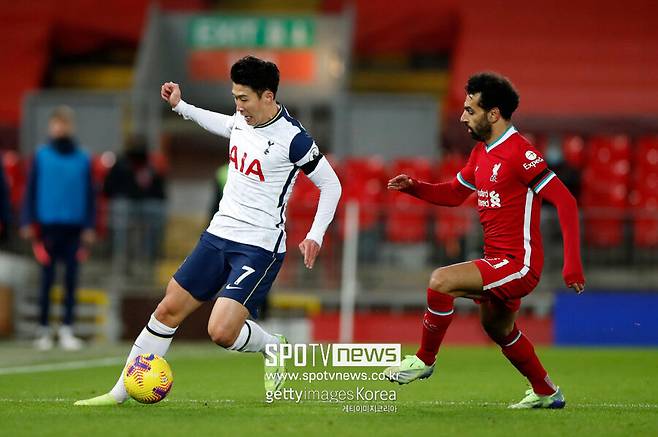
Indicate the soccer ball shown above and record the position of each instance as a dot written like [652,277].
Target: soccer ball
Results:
[148,378]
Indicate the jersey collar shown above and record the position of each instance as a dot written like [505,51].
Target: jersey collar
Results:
[508,133]
[271,121]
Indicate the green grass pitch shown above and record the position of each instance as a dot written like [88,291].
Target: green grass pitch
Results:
[608,391]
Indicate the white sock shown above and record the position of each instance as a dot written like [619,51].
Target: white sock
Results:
[155,338]
[253,338]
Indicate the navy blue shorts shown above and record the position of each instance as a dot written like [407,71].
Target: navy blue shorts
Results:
[246,272]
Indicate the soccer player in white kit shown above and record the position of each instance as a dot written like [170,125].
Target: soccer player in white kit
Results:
[238,257]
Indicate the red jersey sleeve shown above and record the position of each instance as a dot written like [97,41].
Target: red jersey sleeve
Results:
[534,173]
[466,176]
[451,193]
[532,168]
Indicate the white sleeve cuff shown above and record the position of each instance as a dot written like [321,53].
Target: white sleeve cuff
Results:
[181,107]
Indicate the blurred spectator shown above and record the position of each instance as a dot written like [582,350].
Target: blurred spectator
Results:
[568,174]
[58,215]
[570,177]
[137,204]
[5,208]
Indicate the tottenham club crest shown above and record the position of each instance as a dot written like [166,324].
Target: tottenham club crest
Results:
[269,144]
[494,172]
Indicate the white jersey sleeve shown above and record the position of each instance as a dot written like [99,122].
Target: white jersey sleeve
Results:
[326,180]
[214,122]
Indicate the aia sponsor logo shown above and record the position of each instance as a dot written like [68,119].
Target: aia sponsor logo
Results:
[245,166]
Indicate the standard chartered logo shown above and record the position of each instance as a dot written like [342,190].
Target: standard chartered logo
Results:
[495,199]
[488,199]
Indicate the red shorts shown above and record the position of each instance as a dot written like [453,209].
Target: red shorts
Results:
[505,281]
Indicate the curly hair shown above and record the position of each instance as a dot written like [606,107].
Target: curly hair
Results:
[496,91]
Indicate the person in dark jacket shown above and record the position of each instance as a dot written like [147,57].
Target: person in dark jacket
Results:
[58,216]
[136,189]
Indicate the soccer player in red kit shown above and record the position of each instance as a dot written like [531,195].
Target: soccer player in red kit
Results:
[510,178]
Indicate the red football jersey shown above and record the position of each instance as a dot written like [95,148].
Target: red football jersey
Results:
[507,176]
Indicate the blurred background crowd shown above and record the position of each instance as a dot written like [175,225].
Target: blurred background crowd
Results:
[379,84]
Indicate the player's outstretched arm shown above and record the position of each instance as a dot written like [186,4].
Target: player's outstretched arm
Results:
[324,177]
[214,122]
[567,210]
[443,194]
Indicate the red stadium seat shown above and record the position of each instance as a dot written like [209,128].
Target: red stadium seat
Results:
[419,168]
[573,150]
[644,202]
[451,224]
[406,217]
[364,181]
[646,155]
[618,146]
[606,182]
[645,165]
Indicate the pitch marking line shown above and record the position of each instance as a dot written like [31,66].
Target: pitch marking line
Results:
[54,367]
[166,401]
[402,404]
[572,405]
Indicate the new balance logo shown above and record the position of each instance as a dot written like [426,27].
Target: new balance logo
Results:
[498,265]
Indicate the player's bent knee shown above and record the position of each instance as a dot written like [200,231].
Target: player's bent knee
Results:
[496,332]
[222,335]
[440,281]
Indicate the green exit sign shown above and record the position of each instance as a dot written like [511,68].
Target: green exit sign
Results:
[252,32]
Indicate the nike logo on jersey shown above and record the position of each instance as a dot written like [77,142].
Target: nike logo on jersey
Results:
[230,287]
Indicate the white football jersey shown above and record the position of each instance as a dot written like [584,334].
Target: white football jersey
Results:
[263,166]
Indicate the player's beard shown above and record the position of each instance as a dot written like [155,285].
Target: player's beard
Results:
[482,130]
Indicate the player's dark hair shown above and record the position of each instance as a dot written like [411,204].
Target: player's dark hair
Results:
[257,74]
[496,91]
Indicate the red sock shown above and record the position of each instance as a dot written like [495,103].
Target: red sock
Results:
[436,320]
[518,349]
